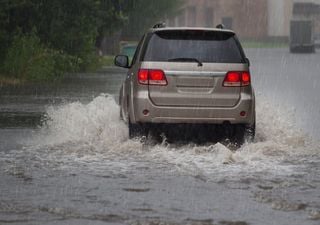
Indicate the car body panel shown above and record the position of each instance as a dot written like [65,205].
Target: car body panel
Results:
[191,85]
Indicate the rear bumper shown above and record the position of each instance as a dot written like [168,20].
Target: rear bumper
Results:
[191,115]
[302,48]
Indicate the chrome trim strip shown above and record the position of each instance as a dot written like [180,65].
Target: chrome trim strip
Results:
[194,73]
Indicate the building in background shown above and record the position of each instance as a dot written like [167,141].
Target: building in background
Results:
[251,19]
[248,18]
[279,14]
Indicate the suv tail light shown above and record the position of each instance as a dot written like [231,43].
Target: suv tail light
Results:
[143,76]
[152,77]
[237,79]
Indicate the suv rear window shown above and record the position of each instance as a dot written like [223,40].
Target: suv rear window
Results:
[205,46]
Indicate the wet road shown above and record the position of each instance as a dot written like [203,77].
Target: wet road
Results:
[65,157]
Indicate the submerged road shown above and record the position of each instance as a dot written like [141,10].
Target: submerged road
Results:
[65,157]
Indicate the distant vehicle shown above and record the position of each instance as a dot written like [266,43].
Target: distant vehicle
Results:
[317,40]
[188,76]
[302,36]
[128,49]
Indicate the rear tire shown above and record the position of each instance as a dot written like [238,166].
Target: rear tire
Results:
[137,130]
[122,114]
[249,132]
[244,133]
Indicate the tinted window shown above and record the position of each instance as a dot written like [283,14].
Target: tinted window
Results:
[137,52]
[206,46]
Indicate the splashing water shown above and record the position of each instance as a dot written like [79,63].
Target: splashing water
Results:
[83,153]
[95,133]
[95,125]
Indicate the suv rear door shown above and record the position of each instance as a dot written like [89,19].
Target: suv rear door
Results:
[195,63]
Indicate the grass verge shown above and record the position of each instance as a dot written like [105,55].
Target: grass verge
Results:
[10,81]
[107,60]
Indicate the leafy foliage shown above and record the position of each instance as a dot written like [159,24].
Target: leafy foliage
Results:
[71,26]
[44,38]
[27,58]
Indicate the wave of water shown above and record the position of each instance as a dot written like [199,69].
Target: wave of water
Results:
[93,132]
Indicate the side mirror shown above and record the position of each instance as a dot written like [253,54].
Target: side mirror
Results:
[122,61]
[248,62]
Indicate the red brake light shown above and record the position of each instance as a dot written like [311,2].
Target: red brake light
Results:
[157,77]
[152,77]
[143,76]
[246,80]
[232,79]
[237,79]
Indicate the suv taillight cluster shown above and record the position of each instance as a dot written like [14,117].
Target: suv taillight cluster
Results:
[152,77]
[158,77]
[237,79]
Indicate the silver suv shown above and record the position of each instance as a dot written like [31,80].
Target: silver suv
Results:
[188,76]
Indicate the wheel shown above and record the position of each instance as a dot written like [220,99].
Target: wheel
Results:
[122,113]
[244,133]
[137,130]
[122,116]
[313,49]
[122,103]
[249,132]
[292,50]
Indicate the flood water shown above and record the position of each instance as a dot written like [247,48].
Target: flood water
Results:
[65,157]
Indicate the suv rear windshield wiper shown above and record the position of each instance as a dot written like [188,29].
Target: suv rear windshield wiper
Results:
[186,60]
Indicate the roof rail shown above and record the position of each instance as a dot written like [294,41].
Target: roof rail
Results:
[159,25]
[220,26]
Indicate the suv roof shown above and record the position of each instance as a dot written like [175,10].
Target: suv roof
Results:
[152,30]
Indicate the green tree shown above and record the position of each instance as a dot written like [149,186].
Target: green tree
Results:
[71,26]
[69,29]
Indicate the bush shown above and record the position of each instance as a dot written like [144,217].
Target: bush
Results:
[28,59]
[64,63]
[90,63]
